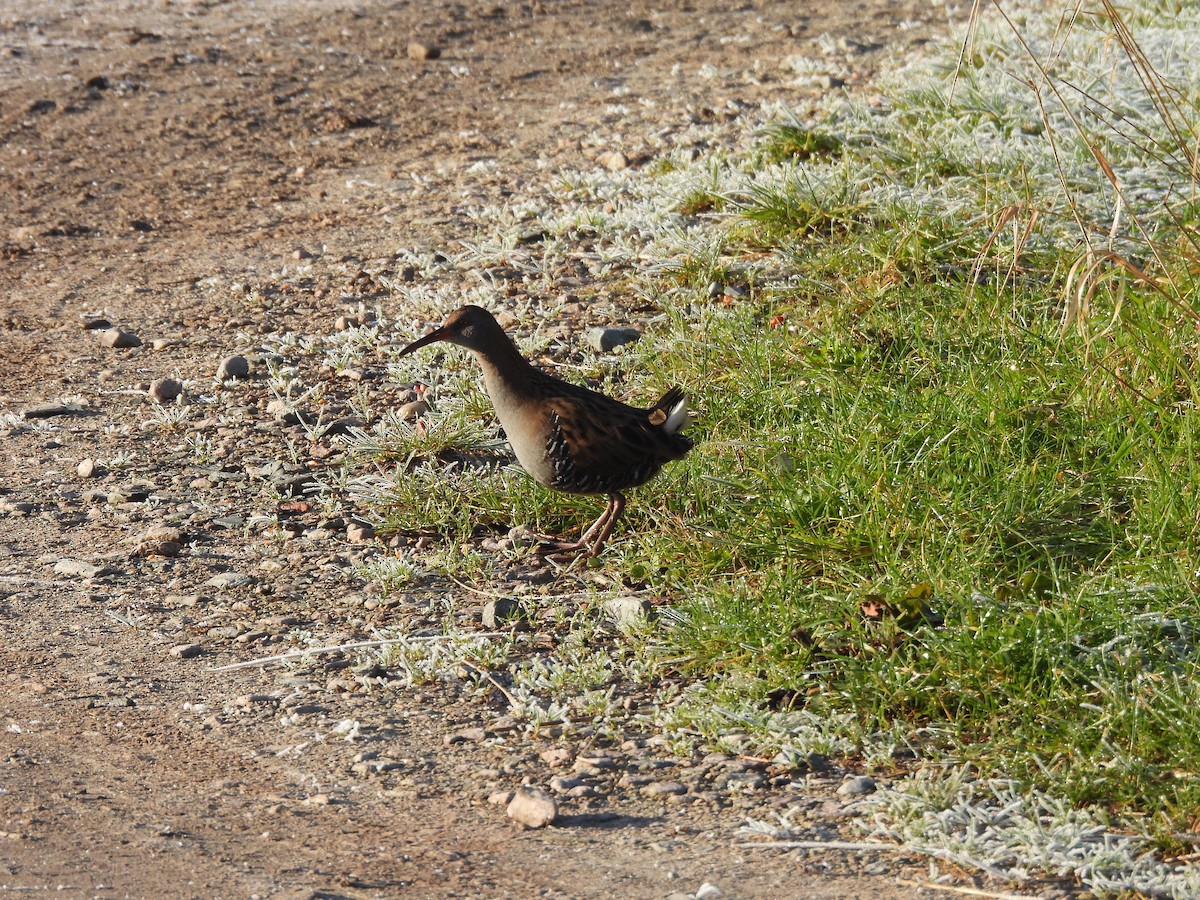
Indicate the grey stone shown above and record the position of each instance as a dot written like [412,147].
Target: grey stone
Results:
[605,340]
[857,786]
[76,568]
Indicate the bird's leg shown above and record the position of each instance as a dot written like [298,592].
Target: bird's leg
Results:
[597,533]
[601,525]
[612,512]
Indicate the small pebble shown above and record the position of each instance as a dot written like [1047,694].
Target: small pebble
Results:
[417,50]
[560,784]
[857,786]
[613,160]
[501,798]
[664,788]
[410,412]
[359,532]
[555,756]
[233,367]
[229,580]
[164,390]
[533,808]
[186,651]
[89,468]
[627,611]
[502,611]
[119,339]
[75,568]
[466,736]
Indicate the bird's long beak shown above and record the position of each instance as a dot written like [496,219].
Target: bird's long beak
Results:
[438,334]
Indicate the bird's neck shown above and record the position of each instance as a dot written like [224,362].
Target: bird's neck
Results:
[505,371]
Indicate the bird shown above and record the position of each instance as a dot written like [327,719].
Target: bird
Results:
[569,438]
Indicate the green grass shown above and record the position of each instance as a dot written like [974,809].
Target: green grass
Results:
[923,502]
[1011,506]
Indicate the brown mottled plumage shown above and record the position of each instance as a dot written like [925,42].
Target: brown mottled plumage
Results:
[568,437]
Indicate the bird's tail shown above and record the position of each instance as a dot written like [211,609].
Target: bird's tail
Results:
[672,409]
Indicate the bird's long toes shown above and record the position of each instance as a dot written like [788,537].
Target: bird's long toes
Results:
[550,545]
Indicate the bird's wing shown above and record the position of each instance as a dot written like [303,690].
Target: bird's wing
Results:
[606,447]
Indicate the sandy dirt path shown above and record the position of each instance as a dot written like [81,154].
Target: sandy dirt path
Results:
[149,150]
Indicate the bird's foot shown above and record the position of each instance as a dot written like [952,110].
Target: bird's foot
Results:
[548,546]
[564,551]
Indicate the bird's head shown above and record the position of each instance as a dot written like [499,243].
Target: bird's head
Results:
[472,327]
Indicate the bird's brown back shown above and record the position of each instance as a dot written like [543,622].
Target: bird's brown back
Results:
[598,445]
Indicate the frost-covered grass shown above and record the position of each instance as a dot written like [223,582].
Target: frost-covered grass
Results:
[943,347]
